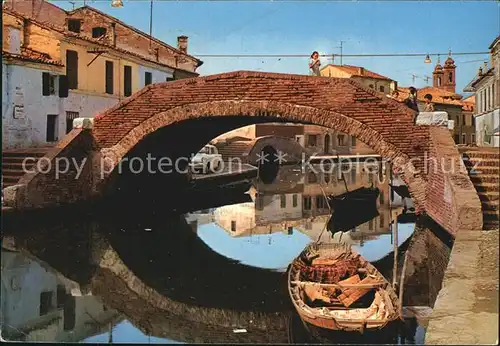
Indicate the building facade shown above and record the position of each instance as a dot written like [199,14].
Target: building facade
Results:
[74,64]
[40,305]
[445,99]
[486,88]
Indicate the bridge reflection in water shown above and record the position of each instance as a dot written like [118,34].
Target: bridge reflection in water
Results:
[197,276]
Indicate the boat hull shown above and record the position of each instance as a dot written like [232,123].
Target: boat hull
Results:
[313,317]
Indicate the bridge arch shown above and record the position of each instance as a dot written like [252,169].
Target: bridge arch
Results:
[267,111]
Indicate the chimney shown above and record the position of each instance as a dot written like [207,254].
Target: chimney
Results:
[182,43]
[361,71]
[26,29]
[113,34]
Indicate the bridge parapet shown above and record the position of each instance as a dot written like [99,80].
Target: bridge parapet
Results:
[439,119]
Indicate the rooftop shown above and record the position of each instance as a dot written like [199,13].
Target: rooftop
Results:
[439,96]
[358,71]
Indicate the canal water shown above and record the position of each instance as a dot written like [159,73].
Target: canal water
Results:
[212,268]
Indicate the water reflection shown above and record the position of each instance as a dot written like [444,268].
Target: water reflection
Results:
[212,275]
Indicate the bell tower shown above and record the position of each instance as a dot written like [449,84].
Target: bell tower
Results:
[438,75]
[449,74]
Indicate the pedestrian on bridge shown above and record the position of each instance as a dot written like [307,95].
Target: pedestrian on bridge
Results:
[314,64]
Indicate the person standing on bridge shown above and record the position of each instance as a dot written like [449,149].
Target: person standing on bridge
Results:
[429,106]
[411,101]
[314,64]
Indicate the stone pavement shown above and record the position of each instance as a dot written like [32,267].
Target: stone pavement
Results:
[466,309]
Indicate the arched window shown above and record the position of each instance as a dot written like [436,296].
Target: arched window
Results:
[371,86]
[450,77]
[439,81]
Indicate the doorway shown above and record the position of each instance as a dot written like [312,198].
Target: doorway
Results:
[327,144]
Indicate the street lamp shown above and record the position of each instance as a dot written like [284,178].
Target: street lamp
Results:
[116,3]
[427,59]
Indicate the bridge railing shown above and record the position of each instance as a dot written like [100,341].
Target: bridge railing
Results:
[439,119]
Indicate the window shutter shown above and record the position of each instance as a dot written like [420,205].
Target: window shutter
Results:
[63,86]
[45,83]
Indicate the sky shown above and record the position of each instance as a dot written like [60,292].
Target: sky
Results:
[292,27]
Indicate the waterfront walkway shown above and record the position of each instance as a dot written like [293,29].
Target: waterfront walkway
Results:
[466,310]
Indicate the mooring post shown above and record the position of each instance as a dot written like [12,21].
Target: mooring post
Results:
[395,246]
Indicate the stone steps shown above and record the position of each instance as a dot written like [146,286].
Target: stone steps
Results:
[486,187]
[12,163]
[490,205]
[483,165]
[481,162]
[480,178]
[491,225]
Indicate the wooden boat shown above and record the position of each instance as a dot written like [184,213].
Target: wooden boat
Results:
[333,287]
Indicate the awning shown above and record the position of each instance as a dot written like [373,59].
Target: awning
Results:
[496,132]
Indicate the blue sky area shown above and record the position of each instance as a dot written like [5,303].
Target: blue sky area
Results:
[278,27]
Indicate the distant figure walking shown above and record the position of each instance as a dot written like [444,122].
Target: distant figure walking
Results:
[429,106]
[314,64]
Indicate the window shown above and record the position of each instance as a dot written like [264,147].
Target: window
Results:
[72,69]
[148,78]
[370,225]
[127,80]
[382,220]
[320,202]
[326,178]
[439,81]
[464,119]
[98,32]
[51,128]
[290,230]
[109,77]
[74,25]
[450,77]
[311,178]
[341,140]
[312,140]
[371,86]
[233,226]
[353,141]
[307,203]
[48,84]
[70,116]
[46,302]
[473,138]
[464,138]
[353,174]
[457,139]
[61,296]
[294,200]
[283,201]
[381,88]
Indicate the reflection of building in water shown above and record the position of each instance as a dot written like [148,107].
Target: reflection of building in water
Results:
[307,210]
[397,200]
[38,305]
[268,214]
[199,218]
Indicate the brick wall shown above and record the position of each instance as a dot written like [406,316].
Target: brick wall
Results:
[451,199]
[39,190]
[131,40]
[41,10]
[288,131]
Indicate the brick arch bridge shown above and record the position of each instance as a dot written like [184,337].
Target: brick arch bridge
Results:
[177,118]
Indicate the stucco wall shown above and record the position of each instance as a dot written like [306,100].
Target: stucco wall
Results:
[22,85]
